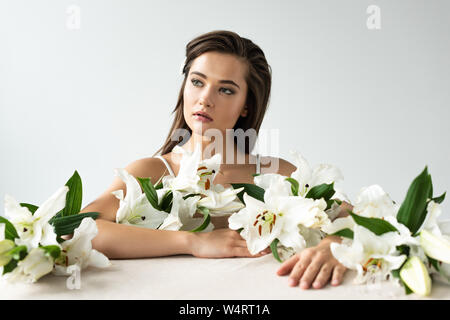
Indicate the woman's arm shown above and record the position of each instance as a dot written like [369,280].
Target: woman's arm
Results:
[314,266]
[119,241]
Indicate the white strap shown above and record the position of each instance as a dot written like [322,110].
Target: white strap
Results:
[258,164]
[167,164]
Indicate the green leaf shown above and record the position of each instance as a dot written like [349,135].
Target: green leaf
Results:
[30,207]
[10,266]
[206,220]
[412,212]
[66,225]
[10,231]
[274,248]
[256,174]
[434,263]
[376,225]
[166,202]
[403,249]
[159,186]
[150,192]
[251,189]
[325,191]
[59,214]
[294,186]
[52,250]
[18,253]
[75,195]
[347,233]
[407,289]
[396,274]
[440,198]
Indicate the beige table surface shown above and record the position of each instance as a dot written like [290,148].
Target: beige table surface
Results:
[185,277]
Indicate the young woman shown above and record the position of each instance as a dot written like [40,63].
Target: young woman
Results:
[227,83]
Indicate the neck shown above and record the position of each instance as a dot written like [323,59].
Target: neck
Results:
[217,144]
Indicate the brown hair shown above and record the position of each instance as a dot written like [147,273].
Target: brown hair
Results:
[258,78]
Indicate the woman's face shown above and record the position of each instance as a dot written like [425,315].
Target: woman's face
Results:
[215,85]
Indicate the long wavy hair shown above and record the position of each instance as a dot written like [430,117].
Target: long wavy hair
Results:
[258,78]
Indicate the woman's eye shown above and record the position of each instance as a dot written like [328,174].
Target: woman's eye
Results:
[197,83]
[229,92]
[194,81]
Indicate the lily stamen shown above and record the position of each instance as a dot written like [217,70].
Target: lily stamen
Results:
[265,218]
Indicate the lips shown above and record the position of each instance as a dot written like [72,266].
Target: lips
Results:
[203,114]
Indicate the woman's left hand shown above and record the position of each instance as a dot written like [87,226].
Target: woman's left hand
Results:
[315,265]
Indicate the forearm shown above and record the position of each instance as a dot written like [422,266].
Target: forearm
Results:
[119,241]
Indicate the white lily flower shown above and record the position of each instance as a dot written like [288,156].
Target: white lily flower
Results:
[309,177]
[34,229]
[374,202]
[436,247]
[339,224]
[195,175]
[78,250]
[264,222]
[268,179]
[221,201]
[135,209]
[181,216]
[370,255]
[277,217]
[431,223]
[313,215]
[35,265]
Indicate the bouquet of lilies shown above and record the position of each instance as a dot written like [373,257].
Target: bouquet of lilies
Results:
[402,243]
[172,202]
[34,240]
[288,213]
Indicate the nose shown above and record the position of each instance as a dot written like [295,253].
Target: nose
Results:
[205,99]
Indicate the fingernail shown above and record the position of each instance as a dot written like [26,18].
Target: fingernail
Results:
[304,285]
[291,282]
[335,282]
[317,284]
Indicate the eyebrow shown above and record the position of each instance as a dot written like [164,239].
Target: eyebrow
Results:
[220,81]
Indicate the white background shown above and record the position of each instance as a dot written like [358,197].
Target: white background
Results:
[375,103]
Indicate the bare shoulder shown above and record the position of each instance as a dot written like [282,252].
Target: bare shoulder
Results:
[152,168]
[107,204]
[277,165]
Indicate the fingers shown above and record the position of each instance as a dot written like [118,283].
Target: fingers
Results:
[310,274]
[298,271]
[338,275]
[323,276]
[244,252]
[287,265]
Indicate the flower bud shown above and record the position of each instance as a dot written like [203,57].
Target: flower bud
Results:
[415,275]
[5,246]
[436,247]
